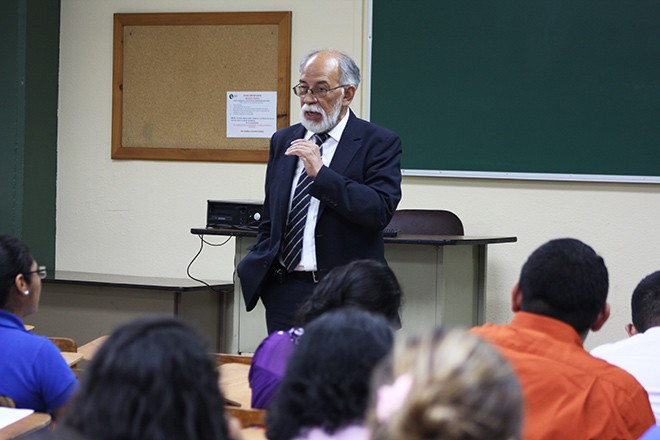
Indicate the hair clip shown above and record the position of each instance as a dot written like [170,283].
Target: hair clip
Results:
[391,397]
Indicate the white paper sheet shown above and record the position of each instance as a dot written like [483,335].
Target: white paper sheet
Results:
[251,114]
[11,415]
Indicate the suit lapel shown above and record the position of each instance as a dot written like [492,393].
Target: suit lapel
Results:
[348,145]
[286,172]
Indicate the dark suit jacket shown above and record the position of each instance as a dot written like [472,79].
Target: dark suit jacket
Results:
[359,193]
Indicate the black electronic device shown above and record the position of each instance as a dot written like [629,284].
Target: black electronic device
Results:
[390,232]
[237,214]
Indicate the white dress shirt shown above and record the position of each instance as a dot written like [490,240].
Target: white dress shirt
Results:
[639,355]
[308,256]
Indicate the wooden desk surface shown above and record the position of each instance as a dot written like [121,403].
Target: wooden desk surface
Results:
[234,383]
[26,425]
[71,358]
[253,433]
[89,349]
[135,282]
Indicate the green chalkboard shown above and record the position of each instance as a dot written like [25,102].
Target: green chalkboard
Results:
[520,86]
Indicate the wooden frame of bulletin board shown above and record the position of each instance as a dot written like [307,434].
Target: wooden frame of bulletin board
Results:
[171,75]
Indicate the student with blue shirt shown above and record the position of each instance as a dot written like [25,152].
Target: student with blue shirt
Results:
[34,373]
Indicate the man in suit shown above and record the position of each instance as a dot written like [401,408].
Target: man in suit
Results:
[333,183]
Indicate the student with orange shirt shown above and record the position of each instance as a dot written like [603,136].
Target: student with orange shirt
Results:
[560,296]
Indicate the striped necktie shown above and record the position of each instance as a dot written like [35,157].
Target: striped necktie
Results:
[295,224]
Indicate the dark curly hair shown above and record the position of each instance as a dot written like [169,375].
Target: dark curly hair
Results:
[326,384]
[645,303]
[152,379]
[15,258]
[365,284]
[566,280]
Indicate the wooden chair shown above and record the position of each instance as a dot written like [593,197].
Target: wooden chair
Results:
[66,345]
[7,402]
[426,222]
[247,416]
[69,350]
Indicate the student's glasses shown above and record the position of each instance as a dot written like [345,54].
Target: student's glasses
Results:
[41,271]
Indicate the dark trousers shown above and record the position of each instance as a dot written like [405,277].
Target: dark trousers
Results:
[283,300]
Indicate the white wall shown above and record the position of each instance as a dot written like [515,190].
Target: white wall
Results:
[134,217]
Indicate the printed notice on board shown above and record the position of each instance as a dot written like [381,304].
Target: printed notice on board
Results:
[251,114]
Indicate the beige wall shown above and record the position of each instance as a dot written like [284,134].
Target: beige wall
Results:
[134,217]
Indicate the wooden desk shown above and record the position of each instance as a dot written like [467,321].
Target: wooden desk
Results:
[234,383]
[25,426]
[253,433]
[443,280]
[85,306]
[71,359]
[89,349]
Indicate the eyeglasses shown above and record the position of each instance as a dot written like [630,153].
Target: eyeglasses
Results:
[41,271]
[317,92]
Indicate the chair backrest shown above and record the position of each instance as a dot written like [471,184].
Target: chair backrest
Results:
[223,358]
[426,222]
[248,416]
[66,345]
[7,402]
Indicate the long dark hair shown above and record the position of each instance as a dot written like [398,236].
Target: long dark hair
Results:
[151,380]
[365,284]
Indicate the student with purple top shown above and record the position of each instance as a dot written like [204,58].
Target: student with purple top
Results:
[364,284]
[325,390]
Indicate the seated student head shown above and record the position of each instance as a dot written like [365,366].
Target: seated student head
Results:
[446,384]
[645,305]
[20,278]
[151,379]
[365,284]
[33,373]
[566,280]
[326,384]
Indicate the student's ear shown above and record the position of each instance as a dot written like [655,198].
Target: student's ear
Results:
[602,317]
[631,330]
[21,283]
[516,298]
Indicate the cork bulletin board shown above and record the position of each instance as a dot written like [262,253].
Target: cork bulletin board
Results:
[171,75]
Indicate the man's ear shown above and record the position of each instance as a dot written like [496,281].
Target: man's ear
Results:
[516,298]
[349,94]
[631,329]
[602,317]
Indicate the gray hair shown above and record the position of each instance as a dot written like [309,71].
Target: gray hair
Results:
[349,72]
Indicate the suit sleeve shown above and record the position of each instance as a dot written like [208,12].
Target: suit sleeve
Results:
[263,232]
[369,196]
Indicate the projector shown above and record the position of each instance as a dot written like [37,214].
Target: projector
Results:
[238,214]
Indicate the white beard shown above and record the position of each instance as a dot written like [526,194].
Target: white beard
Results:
[326,123]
